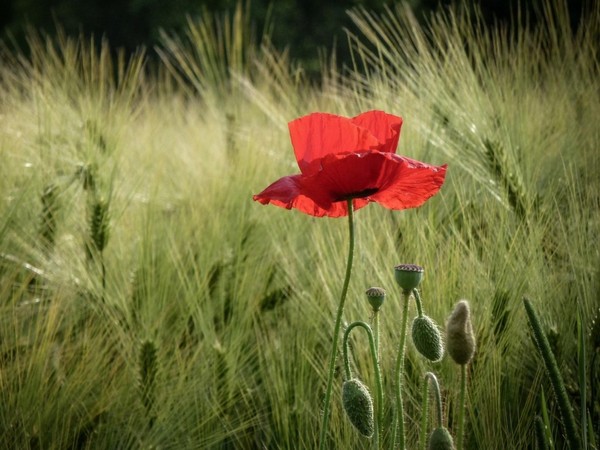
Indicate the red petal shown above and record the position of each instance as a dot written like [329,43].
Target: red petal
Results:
[386,178]
[319,134]
[385,127]
[287,192]
[410,184]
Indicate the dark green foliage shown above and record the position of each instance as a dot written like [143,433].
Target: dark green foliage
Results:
[540,434]
[86,173]
[48,216]
[98,219]
[543,346]
[275,298]
[148,369]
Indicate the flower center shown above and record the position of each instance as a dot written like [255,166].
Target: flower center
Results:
[360,194]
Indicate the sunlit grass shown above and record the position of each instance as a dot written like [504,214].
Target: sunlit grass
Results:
[238,299]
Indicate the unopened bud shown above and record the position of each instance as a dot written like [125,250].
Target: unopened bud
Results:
[358,405]
[459,334]
[440,439]
[427,338]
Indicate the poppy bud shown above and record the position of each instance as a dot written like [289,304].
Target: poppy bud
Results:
[427,338]
[440,439]
[459,334]
[358,405]
[408,276]
[376,296]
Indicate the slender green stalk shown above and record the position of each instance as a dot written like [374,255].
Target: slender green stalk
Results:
[398,428]
[429,376]
[581,350]
[348,373]
[376,331]
[418,302]
[543,346]
[460,433]
[379,397]
[438,396]
[424,414]
[336,329]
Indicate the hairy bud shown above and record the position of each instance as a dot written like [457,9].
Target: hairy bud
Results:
[440,439]
[459,334]
[427,338]
[358,405]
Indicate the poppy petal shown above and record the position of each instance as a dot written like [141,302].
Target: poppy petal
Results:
[394,181]
[291,192]
[409,185]
[385,127]
[319,134]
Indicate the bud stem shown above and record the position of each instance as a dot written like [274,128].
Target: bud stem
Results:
[348,373]
[461,405]
[424,414]
[376,331]
[418,302]
[336,329]
[399,416]
[429,376]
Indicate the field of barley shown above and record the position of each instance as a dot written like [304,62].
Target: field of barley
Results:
[146,301]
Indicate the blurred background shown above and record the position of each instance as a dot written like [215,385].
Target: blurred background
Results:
[302,26]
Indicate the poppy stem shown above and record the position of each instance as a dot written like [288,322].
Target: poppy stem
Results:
[376,368]
[460,433]
[424,413]
[418,302]
[398,427]
[429,377]
[336,329]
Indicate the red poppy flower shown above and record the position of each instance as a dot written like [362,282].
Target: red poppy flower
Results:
[342,158]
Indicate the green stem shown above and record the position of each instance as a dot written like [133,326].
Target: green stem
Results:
[376,331]
[581,350]
[336,329]
[380,396]
[399,415]
[543,346]
[424,413]
[438,396]
[348,373]
[461,405]
[430,376]
[418,302]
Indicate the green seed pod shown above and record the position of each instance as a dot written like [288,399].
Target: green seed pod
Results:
[376,296]
[440,439]
[427,338]
[358,405]
[408,276]
[459,334]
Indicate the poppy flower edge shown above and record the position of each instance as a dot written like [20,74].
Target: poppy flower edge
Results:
[342,159]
